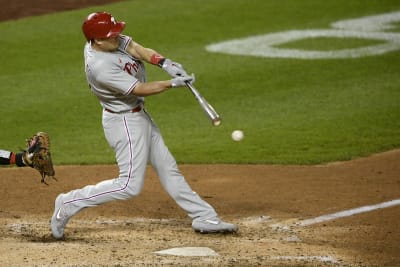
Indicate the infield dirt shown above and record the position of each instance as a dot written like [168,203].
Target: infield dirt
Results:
[127,233]
[256,197]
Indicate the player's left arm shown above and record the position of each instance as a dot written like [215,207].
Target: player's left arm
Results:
[140,52]
[151,56]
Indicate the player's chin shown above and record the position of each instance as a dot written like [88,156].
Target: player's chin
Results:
[113,48]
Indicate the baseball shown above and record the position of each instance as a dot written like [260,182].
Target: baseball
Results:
[237,135]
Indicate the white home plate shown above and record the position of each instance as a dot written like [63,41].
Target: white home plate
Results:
[188,251]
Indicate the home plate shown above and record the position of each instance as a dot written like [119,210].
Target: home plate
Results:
[188,251]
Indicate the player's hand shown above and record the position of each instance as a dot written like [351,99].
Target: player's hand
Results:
[182,80]
[174,69]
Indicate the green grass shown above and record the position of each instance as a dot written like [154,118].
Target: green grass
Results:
[291,111]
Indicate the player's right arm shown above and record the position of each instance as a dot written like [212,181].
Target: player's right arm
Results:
[156,87]
[151,88]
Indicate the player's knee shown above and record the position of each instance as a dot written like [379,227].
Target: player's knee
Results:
[132,191]
[129,187]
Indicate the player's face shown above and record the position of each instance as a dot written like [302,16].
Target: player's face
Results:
[107,44]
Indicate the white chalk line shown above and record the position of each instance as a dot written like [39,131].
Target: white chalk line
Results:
[284,226]
[327,259]
[369,28]
[287,225]
[347,213]
[341,214]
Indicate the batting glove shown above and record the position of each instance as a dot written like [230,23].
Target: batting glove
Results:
[182,80]
[174,69]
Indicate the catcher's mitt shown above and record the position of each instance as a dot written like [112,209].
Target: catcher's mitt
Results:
[38,155]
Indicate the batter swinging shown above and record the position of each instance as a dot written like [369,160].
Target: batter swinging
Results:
[116,75]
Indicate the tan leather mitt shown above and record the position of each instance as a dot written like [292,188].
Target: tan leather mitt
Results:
[38,155]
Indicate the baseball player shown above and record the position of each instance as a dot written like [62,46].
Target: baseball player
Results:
[115,71]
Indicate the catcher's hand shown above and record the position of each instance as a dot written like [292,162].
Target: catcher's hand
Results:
[38,155]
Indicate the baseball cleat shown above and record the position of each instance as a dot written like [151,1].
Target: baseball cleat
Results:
[59,219]
[215,225]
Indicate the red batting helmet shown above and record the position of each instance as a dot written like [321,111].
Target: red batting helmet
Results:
[101,25]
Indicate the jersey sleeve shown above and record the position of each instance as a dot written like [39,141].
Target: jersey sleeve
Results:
[124,41]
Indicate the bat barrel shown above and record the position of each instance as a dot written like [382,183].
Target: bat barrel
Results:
[208,109]
[212,114]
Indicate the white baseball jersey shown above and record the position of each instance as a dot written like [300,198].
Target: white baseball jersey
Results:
[113,76]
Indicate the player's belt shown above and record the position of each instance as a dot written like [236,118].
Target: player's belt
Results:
[134,110]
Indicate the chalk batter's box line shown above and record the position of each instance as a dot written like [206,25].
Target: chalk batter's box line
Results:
[347,213]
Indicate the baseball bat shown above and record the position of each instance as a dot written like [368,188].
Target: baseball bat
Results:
[208,109]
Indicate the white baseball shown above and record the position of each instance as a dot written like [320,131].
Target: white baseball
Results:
[237,135]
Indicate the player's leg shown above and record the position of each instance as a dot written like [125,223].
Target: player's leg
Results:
[129,136]
[173,181]
[205,218]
